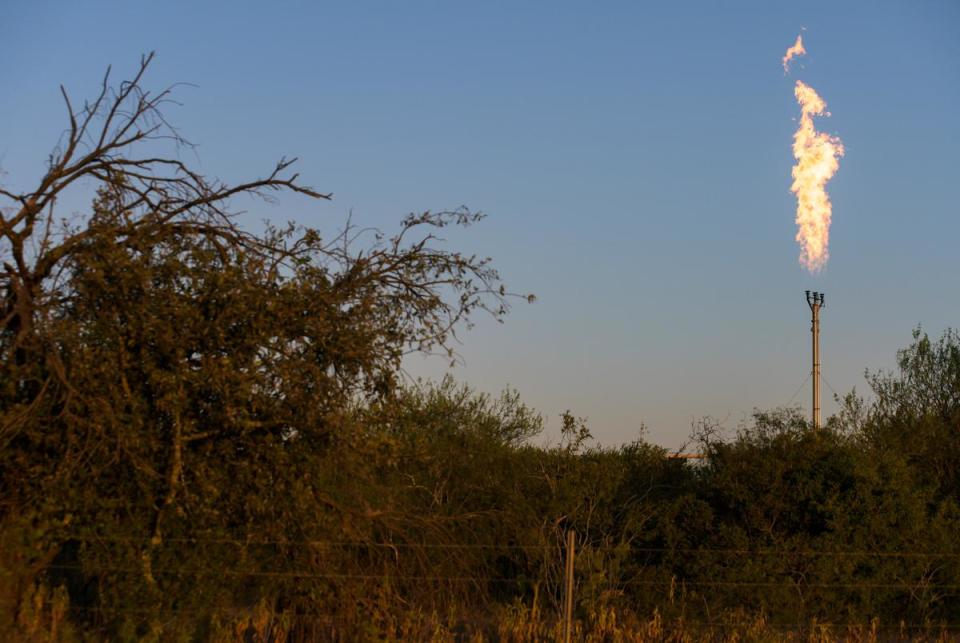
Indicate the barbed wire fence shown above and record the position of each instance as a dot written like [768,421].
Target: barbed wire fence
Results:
[565,552]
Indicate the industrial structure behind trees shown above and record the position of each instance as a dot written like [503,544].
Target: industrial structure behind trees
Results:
[815,301]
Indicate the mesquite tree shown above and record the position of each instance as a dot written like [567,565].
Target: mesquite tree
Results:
[167,374]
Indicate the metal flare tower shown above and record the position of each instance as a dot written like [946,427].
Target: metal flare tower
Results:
[815,301]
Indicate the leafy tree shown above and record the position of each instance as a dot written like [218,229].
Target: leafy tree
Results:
[170,380]
[914,411]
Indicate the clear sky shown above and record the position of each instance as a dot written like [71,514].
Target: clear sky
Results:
[634,160]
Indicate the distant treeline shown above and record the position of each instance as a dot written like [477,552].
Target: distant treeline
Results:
[205,435]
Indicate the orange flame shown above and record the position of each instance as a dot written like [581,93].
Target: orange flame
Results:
[818,159]
[794,51]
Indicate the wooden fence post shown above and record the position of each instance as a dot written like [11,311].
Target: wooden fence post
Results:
[568,588]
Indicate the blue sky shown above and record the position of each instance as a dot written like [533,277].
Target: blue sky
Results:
[633,158]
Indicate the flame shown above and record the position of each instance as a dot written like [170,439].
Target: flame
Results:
[794,51]
[818,159]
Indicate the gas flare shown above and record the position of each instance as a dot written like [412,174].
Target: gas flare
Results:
[818,159]
[794,51]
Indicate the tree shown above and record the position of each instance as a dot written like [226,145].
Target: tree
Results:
[915,410]
[168,375]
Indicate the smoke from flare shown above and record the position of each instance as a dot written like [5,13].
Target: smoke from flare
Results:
[794,51]
[818,159]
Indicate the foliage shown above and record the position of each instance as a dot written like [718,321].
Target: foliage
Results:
[168,377]
[205,434]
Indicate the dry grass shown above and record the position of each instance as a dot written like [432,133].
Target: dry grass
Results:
[44,617]
[607,625]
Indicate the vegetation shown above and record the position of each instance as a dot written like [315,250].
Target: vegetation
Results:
[204,435]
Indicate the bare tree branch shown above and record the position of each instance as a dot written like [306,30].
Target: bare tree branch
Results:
[102,143]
